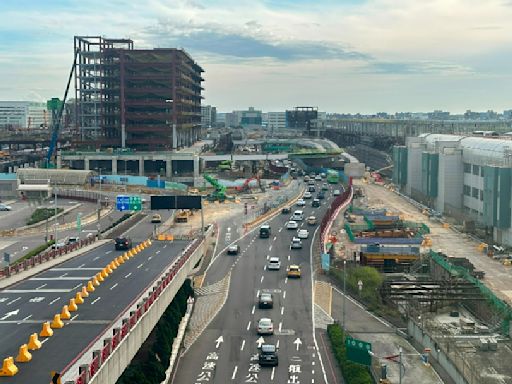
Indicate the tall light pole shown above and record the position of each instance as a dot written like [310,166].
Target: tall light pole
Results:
[98,225]
[344,291]
[55,215]
[174,135]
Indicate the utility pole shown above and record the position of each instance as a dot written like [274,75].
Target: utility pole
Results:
[400,365]
[55,214]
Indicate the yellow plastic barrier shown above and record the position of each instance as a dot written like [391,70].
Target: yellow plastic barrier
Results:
[90,285]
[8,367]
[72,306]
[149,242]
[47,331]
[109,269]
[24,356]
[161,237]
[33,342]
[120,260]
[78,298]
[57,323]
[64,314]
[84,292]
[103,273]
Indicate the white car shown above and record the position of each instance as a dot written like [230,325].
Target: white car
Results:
[318,178]
[308,195]
[292,225]
[301,203]
[296,243]
[303,234]
[336,192]
[265,327]
[274,264]
[4,207]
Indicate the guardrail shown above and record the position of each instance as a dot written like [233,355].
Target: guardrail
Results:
[113,336]
[43,257]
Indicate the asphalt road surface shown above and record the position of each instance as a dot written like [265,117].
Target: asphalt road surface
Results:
[26,305]
[227,350]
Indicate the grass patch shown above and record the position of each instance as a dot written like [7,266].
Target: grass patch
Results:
[41,214]
[35,251]
[353,373]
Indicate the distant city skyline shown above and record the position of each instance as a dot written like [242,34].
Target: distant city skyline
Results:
[352,56]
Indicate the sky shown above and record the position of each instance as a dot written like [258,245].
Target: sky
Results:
[344,56]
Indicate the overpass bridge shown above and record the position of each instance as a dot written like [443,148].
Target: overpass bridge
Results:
[97,341]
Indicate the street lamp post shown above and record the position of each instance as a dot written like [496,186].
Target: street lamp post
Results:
[344,291]
[98,225]
[174,135]
[55,215]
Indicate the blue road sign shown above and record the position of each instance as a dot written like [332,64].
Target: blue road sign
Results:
[123,203]
[326,261]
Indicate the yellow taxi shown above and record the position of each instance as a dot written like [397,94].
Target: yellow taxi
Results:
[156,218]
[293,271]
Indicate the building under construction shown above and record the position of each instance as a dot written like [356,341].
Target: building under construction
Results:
[136,98]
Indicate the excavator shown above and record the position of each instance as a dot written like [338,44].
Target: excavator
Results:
[220,190]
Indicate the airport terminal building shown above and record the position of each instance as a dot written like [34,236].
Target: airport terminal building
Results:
[465,177]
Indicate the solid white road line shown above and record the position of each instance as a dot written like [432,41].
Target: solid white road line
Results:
[75,269]
[243,345]
[249,325]
[253,309]
[234,372]
[36,291]
[54,300]
[112,287]
[69,278]
[95,300]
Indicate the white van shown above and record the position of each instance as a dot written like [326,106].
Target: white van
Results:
[297,216]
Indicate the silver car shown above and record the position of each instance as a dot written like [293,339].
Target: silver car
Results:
[265,327]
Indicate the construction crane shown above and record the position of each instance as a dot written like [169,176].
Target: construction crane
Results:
[57,108]
[220,190]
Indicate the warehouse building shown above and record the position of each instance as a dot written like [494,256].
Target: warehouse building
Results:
[468,178]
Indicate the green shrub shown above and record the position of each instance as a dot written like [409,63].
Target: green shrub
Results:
[41,214]
[353,373]
[35,251]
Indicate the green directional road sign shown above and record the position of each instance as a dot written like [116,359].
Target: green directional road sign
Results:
[135,203]
[358,351]
[79,222]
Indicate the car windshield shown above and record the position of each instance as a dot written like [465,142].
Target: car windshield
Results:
[268,348]
[266,296]
[265,322]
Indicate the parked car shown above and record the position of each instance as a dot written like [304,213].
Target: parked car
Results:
[293,271]
[268,355]
[233,249]
[123,243]
[72,240]
[59,244]
[5,207]
[292,225]
[265,300]
[265,327]
[274,264]
[311,220]
[296,243]
[303,234]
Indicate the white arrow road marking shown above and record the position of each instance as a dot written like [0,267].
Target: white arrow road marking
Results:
[9,314]
[234,372]
[297,342]
[219,341]
[260,341]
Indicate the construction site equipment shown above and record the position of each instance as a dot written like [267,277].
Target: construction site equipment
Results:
[220,190]
[225,165]
[182,217]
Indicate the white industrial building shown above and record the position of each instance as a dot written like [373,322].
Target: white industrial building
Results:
[23,115]
[276,120]
[469,178]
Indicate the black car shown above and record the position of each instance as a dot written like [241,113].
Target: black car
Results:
[315,203]
[268,355]
[311,188]
[286,210]
[123,243]
[320,195]
[265,301]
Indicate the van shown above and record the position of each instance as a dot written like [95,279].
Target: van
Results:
[265,231]
[297,216]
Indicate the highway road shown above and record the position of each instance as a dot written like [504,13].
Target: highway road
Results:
[226,352]
[26,305]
